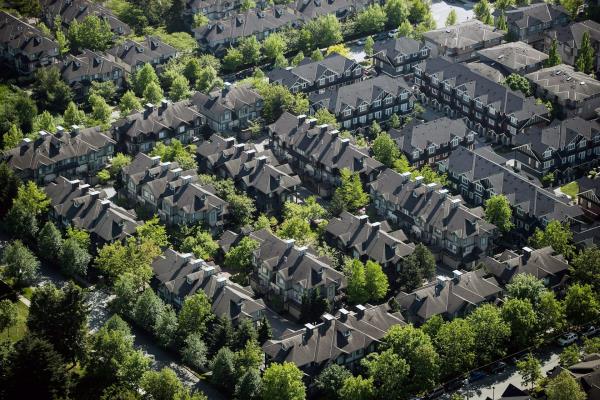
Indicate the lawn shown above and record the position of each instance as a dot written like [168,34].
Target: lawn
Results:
[570,189]
[16,332]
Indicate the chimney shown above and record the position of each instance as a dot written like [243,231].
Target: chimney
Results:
[335,133]
[60,130]
[94,194]
[226,88]
[455,203]
[250,154]
[208,270]
[289,243]
[165,165]
[405,176]
[323,128]
[195,264]
[301,118]
[345,142]
[302,250]
[327,319]
[456,274]
[191,277]
[526,253]
[74,184]
[164,103]
[363,219]
[186,179]
[441,280]
[375,226]
[344,314]
[418,181]
[311,122]
[25,142]
[360,311]
[176,172]
[221,281]
[430,187]
[308,330]
[74,130]
[155,160]
[85,188]
[262,160]
[43,134]
[105,204]
[229,142]
[443,193]
[187,256]
[148,107]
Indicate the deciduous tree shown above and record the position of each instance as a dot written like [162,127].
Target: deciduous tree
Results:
[283,382]
[498,212]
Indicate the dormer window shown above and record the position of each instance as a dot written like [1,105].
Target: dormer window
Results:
[415,154]
[348,72]
[434,80]
[388,100]
[491,110]
[347,112]
[582,143]
[431,149]
[377,103]
[547,153]
[455,141]
[322,81]
[571,146]
[362,108]
[357,71]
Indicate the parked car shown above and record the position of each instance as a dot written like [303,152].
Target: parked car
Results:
[567,339]
[498,367]
[591,331]
[476,376]
[360,42]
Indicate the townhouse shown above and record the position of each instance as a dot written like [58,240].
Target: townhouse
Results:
[212,9]
[230,109]
[459,43]
[75,204]
[513,58]
[545,264]
[308,76]
[178,275]
[456,234]
[477,177]
[23,47]
[70,11]
[286,274]
[174,194]
[586,372]
[588,197]
[134,54]
[398,56]
[317,153]
[80,153]
[449,297]
[492,109]
[529,23]
[254,171]
[569,38]
[357,237]
[342,9]
[573,93]
[218,35]
[81,70]
[140,131]
[563,147]
[343,339]
[361,103]
[429,142]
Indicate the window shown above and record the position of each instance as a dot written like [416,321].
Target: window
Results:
[455,141]
[362,108]
[547,153]
[547,164]
[431,149]
[571,146]
[415,154]
[582,143]
[571,159]
[404,107]
[362,119]
[331,78]
[434,80]
[377,103]
[322,81]
[403,96]
[347,112]
[491,110]
[388,111]
[357,71]
[388,100]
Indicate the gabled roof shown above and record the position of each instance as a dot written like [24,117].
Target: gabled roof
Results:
[392,48]
[418,136]
[135,53]
[310,71]
[533,14]
[572,34]
[565,83]
[88,64]
[77,10]
[513,55]
[463,35]
[231,98]
[558,134]
[311,9]
[25,39]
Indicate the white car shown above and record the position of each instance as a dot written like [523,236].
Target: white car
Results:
[567,339]
[591,331]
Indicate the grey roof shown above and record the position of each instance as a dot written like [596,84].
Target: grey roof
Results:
[144,168]
[450,296]
[353,95]
[77,10]
[149,122]
[463,35]
[88,64]
[297,265]
[431,205]
[572,34]
[534,14]
[371,239]
[88,209]
[392,48]
[529,197]
[322,144]
[513,55]
[542,263]
[188,196]
[50,149]
[314,346]
[183,275]
[565,83]
[312,9]
[418,136]
[25,39]
[558,134]
[487,70]
[310,71]
[503,99]
[135,53]
[231,98]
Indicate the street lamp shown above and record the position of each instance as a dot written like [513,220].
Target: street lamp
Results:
[493,392]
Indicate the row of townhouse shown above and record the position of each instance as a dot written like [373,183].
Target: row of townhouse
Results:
[430,142]
[491,108]
[174,194]
[317,153]
[362,103]
[75,204]
[456,234]
[255,171]
[563,147]
[286,274]
[178,275]
[78,153]
[457,296]
[399,56]
[513,58]
[71,11]
[23,47]
[309,76]
[477,176]
[588,197]
[569,39]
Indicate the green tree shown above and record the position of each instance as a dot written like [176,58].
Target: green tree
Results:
[152,230]
[30,203]
[557,235]
[164,385]
[208,79]
[223,369]
[116,258]
[91,33]
[455,344]
[244,333]
[350,194]
[143,77]
[492,333]
[331,380]
[241,209]
[176,151]
[147,309]
[585,55]
[388,372]
[297,58]
[324,116]
[221,335]
[60,317]
[376,281]
[283,382]
[264,331]
[369,43]
[553,56]
[180,88]
[249,386]
[50,91]
[106,89]
[201,244]
[74,259]
[397,12]
[195,314]
[581,304]
[9,188]
[321,32]
[250,48]
[371,20]
[12,138]
[274,45]
[550,313]
[585,268]
[117,163]
[49,242]
[129,103]
[570,355]
[8,314]
[101,111]
[248,357]
[358,388]
[44,122]
[357,282]
[194,351]
[518,82]
[526,287]
[405,29]
[530,370]
[166,326]
[572,6]
[153,93]
[564,387]
[451,19]
[21,264]
[417,266]
[501,22]
[316,55]
[521,317]
[498,212]
[233,59]
[385,149]
[482,10]
[239,257]
[278,98]
[175,16]
[73,115]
